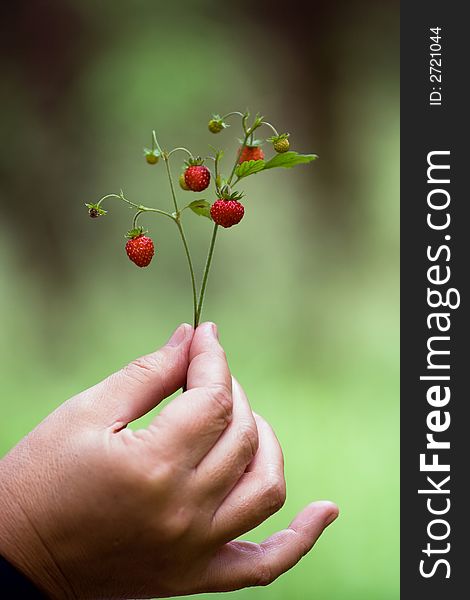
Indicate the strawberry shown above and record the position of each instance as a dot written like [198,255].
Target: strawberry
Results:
[151,156]
[182,182]
[251,153]
[280,142]
[139,247]
[228,211]
[197,177]
[95,211]
[216,124]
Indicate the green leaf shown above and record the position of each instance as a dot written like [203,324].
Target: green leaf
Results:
[201,208]
[249,167]
[289,160]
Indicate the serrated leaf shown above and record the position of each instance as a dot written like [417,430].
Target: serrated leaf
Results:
[287,160]
[249,167]
[201,208]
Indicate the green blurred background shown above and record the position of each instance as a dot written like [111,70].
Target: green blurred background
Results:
[305,290]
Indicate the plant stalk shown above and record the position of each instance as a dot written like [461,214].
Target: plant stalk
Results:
[248,132]
[206,274]
[183,239]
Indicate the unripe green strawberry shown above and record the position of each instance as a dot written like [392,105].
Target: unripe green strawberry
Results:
[215,125]
[139,248]
[280,142]
[151,156]
[281,145]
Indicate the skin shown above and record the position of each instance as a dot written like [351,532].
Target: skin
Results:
[91,509]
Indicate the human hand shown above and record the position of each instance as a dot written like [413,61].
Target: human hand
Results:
[91,509]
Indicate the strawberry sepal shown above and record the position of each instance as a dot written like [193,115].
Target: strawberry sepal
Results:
[95,211]
[135,233]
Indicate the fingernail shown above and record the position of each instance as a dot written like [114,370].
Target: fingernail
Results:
[209,328]
[330,518]
[178,336]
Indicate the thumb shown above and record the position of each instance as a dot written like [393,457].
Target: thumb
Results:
[142,384]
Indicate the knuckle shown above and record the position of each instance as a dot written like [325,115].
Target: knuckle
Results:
[146,478]
[138,368]
[161,475]
[275,494]
[178,524]
[263,573]
[248,435]
[304,545]
[142,368]
[221,396]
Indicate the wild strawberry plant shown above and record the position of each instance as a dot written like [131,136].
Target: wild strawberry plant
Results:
[225,210]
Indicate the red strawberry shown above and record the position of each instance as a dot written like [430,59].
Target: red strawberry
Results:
[139,248]
[227,212]
[197,177]
[251,153]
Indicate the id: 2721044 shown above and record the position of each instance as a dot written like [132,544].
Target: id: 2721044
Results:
[435,66]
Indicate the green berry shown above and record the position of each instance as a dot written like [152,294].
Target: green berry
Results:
[215,126]
[280,142]
[281,145]
[151,156]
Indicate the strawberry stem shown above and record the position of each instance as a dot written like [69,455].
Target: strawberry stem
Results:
[206,274]
[139,207]
[244,121]
[191,270]
[216,160]
[182,149]
[210,254]
[136,216]
[240,150]
[182,235]
[170,179]
[235,112]
[155,141]
[271,127]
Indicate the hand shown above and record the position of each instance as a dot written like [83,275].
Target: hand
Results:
[91,509]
